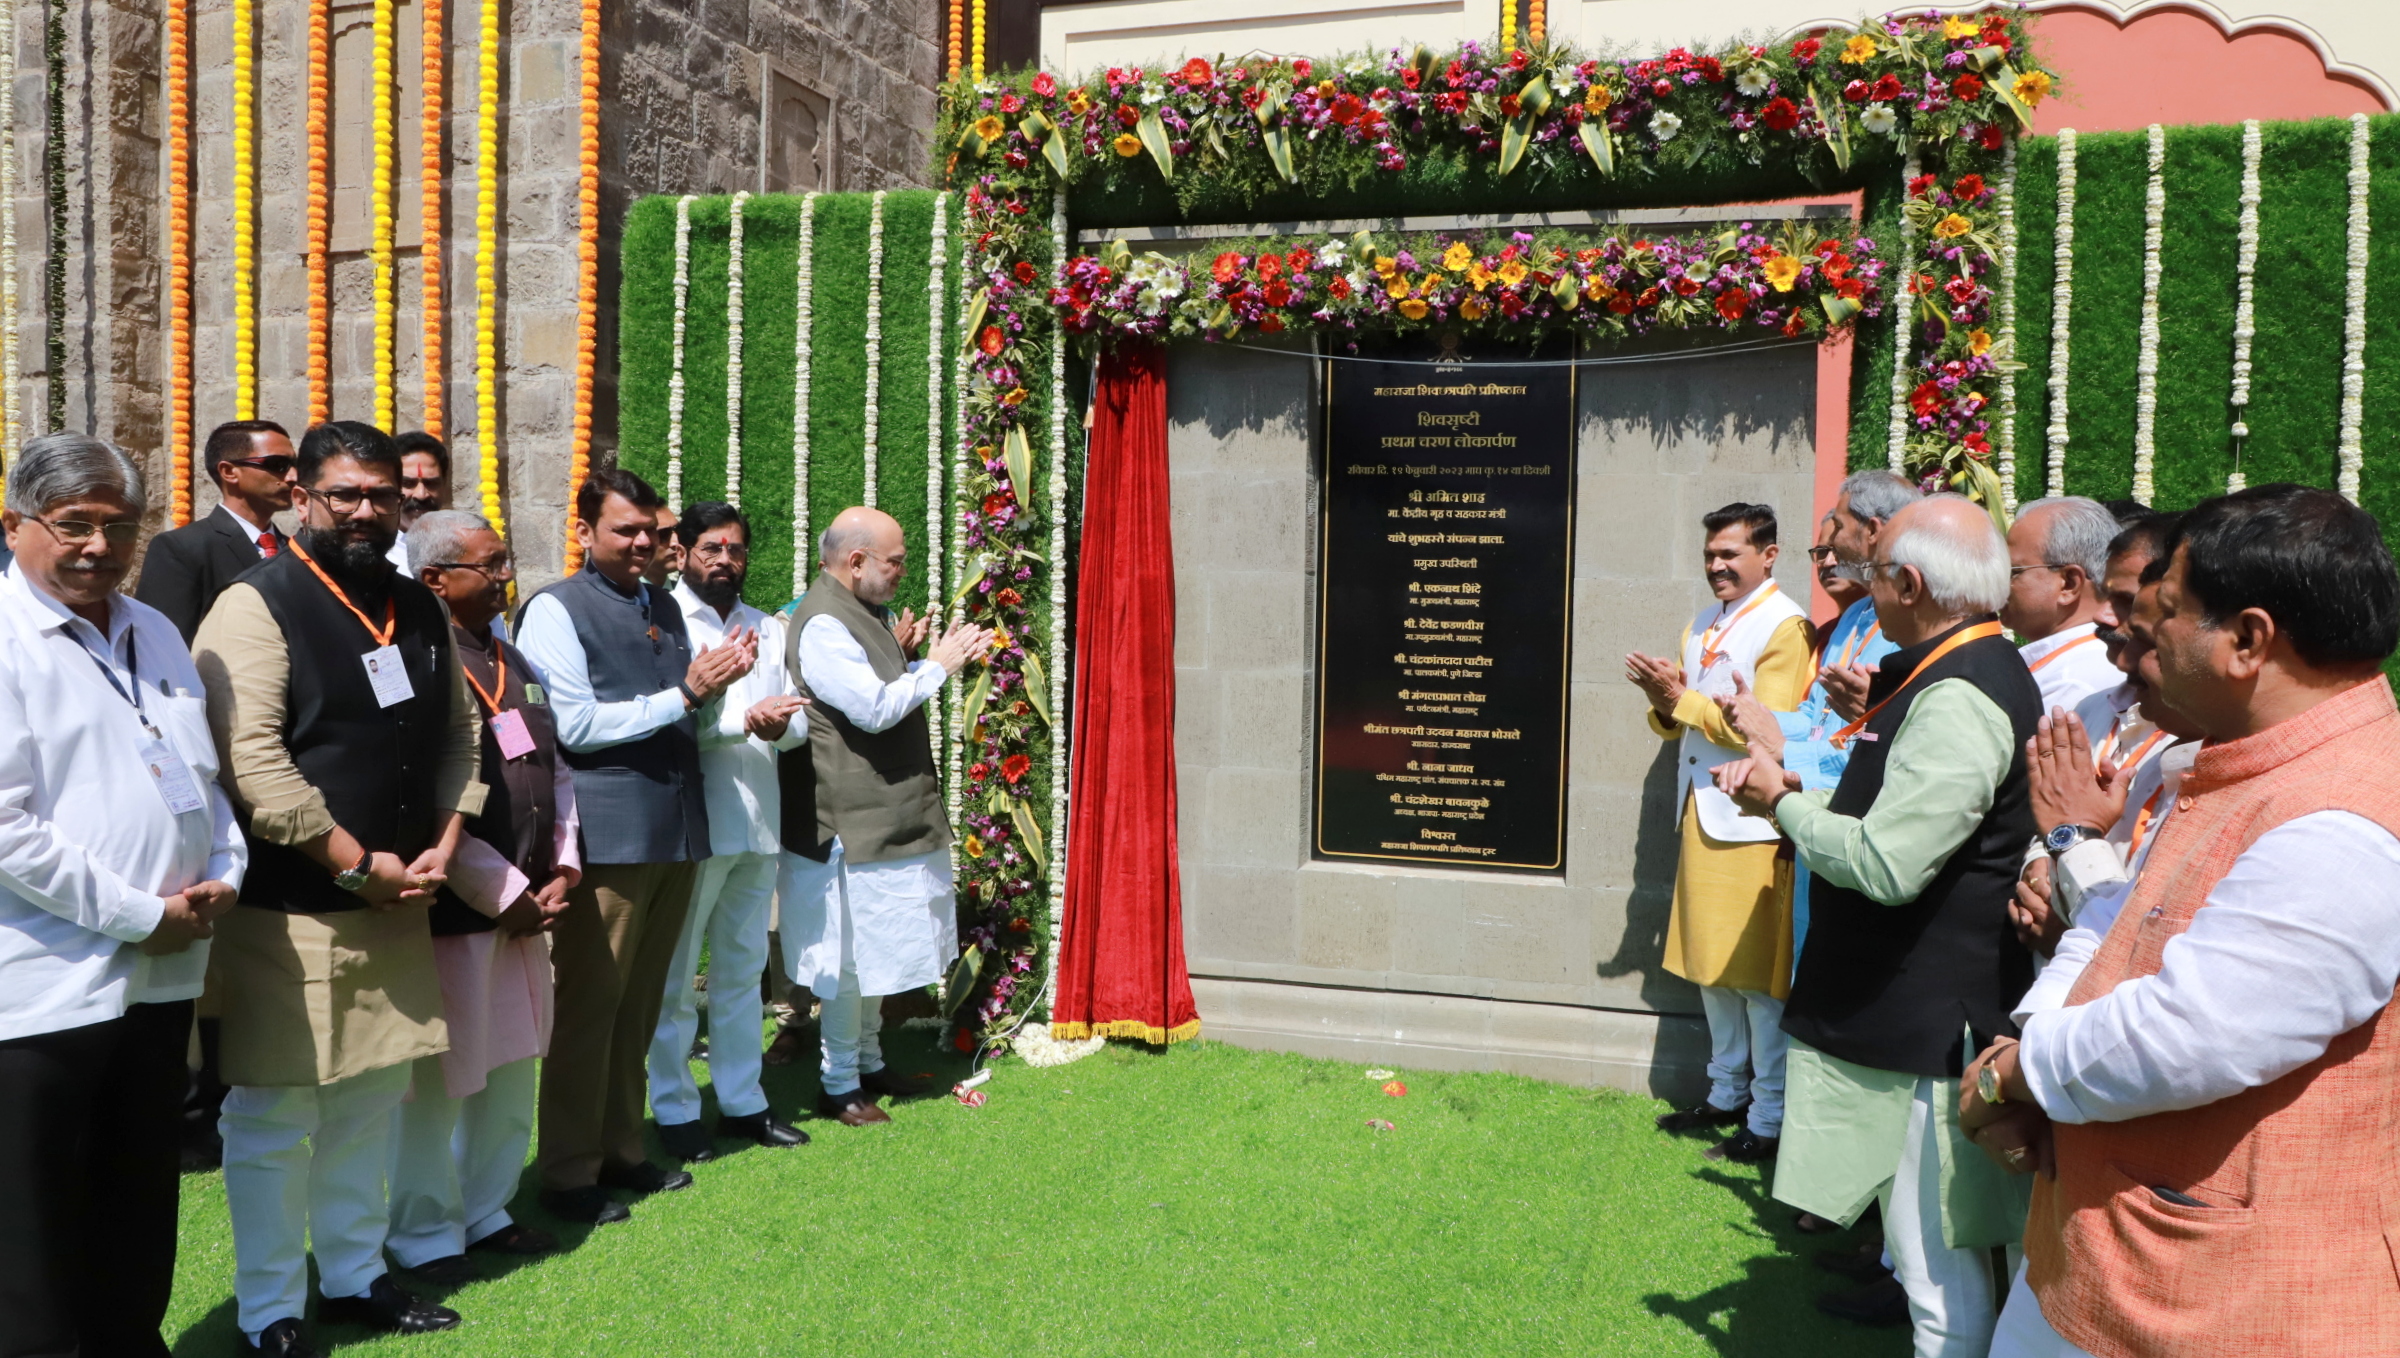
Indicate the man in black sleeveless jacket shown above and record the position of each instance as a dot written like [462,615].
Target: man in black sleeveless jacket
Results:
[348,744]
[1911,964]
[625,688]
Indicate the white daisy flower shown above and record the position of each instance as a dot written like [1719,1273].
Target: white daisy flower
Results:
[1753,82]
[1331,256]
[1879,119]
[1664,126]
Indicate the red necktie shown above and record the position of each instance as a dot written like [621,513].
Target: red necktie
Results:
[266,546]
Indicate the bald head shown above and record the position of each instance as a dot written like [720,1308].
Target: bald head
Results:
[863,548]
[1940,561]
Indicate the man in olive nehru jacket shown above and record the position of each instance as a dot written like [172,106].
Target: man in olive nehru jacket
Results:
[866,890]
[624,687]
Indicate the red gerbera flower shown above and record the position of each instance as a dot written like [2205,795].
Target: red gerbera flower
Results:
[1128,115]
[1008,598]
[979,771]
[1857,91]
[1025,271]
[1805,50]
[1967,86]
[1887,88]
[1851,288]
[1918,186]
[1197,72]
[1992,138]
[1926,399]
[1685,287]
[996,502]
[1278,293]
[1045,85]
[1299,260]
[1339,287]
[1781,114]
[1968,188]
[1015,767]
[991,340]
[1228,266]
[1270,264]
[1731,305]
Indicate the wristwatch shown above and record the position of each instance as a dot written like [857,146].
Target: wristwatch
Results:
[356,875]
[2065,837]
[1987,1084]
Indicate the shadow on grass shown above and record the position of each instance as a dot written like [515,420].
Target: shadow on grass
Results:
[1771,1308]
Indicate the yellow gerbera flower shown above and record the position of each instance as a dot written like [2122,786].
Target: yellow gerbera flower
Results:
[1978,341]
[1481,276]
[1783,271]
[1471,308]
[1959,26]
[973,846]
[989,127]
[1413,308]
[1127,144]
[1598,289]
[1397,289]
[1513,272]
[1597,99]
[1386,265]
[1859,48]
[1952,227]
[2032,87]
[1079,103]
[1457,257]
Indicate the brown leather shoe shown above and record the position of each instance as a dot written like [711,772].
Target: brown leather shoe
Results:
[853,1109]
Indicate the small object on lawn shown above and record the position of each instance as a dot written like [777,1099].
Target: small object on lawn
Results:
[1378,1073]
[972,1098]
[1395,1089]
[1379,1124]
[975,1079]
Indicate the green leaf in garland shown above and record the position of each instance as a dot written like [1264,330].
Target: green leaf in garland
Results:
[1154,136]
[1043,133]
[1029,830]
[1019,452]
[1982,485]
[1514,138]
[1838,309]
[1279,150]
[977,696]
[1535,97]
[973,323]
[1037,687]
[1837,129]
[971,143]
[1216,140]
[1598,144]
[963,974]
[1566,292]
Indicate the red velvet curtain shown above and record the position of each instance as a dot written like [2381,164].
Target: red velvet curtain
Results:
[1120,966]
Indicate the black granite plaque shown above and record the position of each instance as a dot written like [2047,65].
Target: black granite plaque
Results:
[1445,568]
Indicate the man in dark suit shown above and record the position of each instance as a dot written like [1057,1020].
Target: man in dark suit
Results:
[251,462]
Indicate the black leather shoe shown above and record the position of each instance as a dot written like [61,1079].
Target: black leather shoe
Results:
[1701,1115]
[283,1339]
[518,1239]
[451,1270]
[888,1085]
[387,1308]
[1864,1264]
[1881,1303]
[763,1129]
[1746,1147]
[589,1204]
[688,1141]
[643,1178]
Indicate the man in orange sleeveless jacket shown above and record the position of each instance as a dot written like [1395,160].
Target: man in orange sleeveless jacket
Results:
[2215,1104]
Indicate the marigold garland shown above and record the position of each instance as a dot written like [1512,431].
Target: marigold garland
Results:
[977,69]
[320,211]
[2354,315]
[179,257]
[245,210]
[2062,305]
[957,38]
[587,265]
[675,382]
[2145,368]
[429,224]
[803,321]
[733,354]
[487,281]
[1537,22]
[381,131]
[1508,25]
[874,416]
[2245,310]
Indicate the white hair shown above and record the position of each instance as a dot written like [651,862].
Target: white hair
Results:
[2080,530]
[1879,494]
[64,468]
[1964,560]
[437,537]
[839,540]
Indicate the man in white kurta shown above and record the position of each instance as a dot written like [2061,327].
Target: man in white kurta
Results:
[739,734]
[2057,554]
[875,915]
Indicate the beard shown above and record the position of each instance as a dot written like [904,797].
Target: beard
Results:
[358,553]
[719,593]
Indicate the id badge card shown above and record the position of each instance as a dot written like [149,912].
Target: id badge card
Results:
[387,675]
[509,728]
[172,776]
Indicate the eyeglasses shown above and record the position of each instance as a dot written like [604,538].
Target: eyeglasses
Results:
[346,499]
[2015,571]
[122,533]
[1820,555]
[721,551]
[503,569]
[274,464]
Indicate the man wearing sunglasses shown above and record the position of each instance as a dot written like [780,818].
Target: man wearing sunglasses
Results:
[251,464]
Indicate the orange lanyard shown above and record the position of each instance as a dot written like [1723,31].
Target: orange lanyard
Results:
[1981,630]
[2134,760]
[2141,824]
[391,613]
[490,696]
[2084,640]
[1860,642]
[1709,654]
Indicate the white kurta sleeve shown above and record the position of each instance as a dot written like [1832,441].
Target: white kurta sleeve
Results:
[837,671]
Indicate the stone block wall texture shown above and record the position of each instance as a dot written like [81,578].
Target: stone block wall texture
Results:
[1556,976]
[680,96]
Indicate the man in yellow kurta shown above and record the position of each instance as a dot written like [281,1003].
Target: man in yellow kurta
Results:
[1731,932]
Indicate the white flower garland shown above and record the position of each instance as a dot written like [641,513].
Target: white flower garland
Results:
[683,296]
[2245,312]
[936,267]
[874,337]
[1057,566]
[1903,326]
[803,313]
[2354,315]
[2145,367]
[1034,1043]
[733,355]
[2007,345]
[954,587]
[2062,305]
[12,414]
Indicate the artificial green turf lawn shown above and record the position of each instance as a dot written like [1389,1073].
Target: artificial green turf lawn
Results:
[1206,1200]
